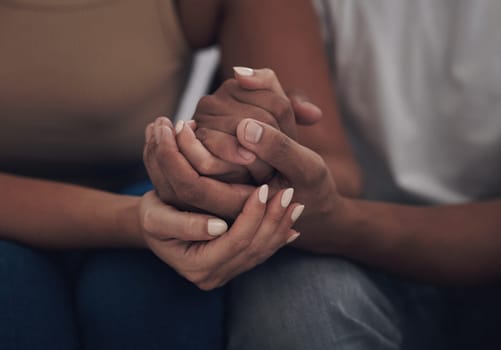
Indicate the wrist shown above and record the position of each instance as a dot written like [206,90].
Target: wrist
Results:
[127,222]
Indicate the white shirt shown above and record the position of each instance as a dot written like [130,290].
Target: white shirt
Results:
[422,81]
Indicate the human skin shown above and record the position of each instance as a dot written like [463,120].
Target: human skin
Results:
[282,35]
[446,243]
[58,216]
[449,244]
[458,244]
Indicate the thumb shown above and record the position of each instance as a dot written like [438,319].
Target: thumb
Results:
[164,222]
[277,149]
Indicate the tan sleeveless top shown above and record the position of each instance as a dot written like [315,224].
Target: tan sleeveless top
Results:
[80,80]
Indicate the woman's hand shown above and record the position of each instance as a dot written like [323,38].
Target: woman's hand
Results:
[185,241]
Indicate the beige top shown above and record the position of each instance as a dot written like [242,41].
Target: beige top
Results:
[80,79]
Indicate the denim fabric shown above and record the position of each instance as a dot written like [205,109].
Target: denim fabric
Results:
[301,301]
[35,304]
[107,299]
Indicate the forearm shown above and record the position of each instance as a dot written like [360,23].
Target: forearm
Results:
[55,215]
[451,243]
[284,35]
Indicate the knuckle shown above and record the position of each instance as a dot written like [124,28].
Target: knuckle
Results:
[196,277]
[202,134]
[208,285]
[241,244]
[205,103]
[204,280]
[269,73]
[191,225]
[229,84]
[148,223]
[265,117]
[206,166]
[261,258]
[189,192]
[316,174]
[162,156]
[282,108]
[281,147]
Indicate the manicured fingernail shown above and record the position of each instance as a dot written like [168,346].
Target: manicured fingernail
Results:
[263,194]
[244,71]
[149,132]
[179,126]
[245,154]
[253,132]
[216,227]
[161,132]
[158,133]
[296,212]
[293,237]
[286,197]
[163,120]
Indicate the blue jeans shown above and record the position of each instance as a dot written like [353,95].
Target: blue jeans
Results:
[300,301]
[108,299]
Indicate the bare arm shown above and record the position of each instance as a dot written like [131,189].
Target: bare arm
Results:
[282,35]
[448,244]
[56,215]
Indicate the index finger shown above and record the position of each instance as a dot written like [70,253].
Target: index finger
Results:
[257,79]
[202,192]
[243,230]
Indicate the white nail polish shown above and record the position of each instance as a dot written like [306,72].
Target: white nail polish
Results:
[296,212]
[244,71]
[293,237]
[263,194]
[158,133]
[286,197]
[216,227]
[179,126]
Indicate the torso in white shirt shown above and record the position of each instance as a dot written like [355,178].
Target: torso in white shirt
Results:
[422,81]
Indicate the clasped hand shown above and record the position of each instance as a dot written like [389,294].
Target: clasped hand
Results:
[210,166]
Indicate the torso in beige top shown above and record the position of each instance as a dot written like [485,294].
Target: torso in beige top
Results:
[80,80]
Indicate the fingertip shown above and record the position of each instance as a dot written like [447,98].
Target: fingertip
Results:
[246,155]
[163,120]
[243,71]
[286,198]
[306,112]
[293,235]
[163,133]
[216,227]
[179,126]
[263,193]
[296,212]
[192,124]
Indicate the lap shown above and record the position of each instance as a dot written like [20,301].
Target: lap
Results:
[35,301]
[299,300]
[125,299]
[136,301]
